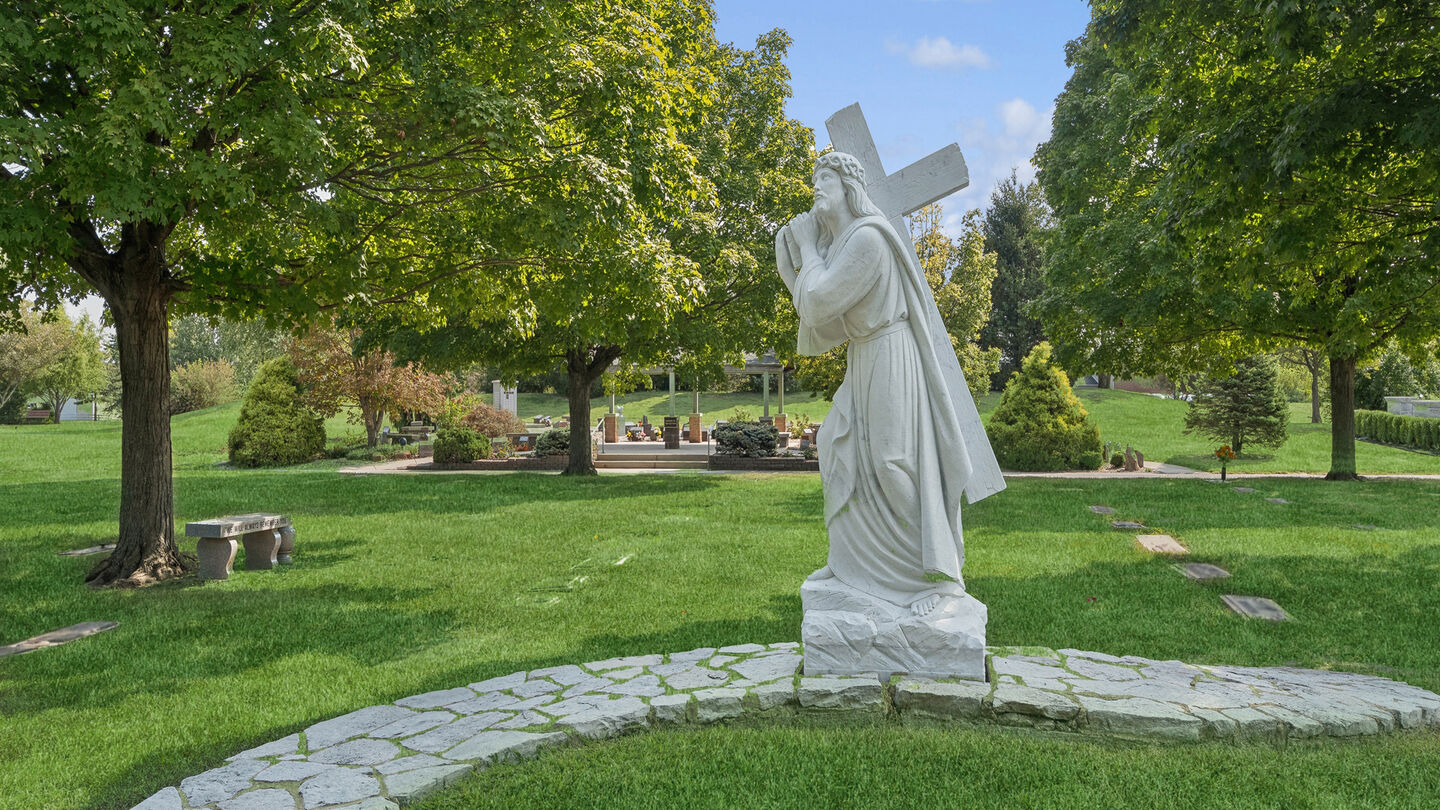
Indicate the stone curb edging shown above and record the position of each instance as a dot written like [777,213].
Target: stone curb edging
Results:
[382,757]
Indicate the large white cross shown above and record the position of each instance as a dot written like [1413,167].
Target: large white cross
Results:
[910,189]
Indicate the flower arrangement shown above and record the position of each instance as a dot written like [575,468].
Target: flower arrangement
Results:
[1225,454]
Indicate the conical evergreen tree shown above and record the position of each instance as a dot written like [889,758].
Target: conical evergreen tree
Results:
[1040,424]
[1245,408]
[274,428]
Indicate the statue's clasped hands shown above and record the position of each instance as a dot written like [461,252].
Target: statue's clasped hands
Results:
[793,238]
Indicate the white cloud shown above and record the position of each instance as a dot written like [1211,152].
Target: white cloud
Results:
[1021,119]
[993,146]
[939,52]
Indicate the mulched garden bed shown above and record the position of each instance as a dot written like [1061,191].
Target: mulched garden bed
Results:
[517,463]
[772,464]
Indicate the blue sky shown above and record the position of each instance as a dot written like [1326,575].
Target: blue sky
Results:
[980,73]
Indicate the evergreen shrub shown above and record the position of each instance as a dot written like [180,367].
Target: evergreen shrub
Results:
[1040,424]
[748,439]
[12,410]
[274,428]
[553,443]
[460,445]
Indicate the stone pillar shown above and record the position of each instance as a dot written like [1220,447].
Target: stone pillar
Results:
[261,549]
[612,427]
[216,554]
[505,399]
[671,432]
[287,545]
[695,428]
[782,423]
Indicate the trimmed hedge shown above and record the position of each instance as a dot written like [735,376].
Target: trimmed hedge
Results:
[746,439]
[1418,432]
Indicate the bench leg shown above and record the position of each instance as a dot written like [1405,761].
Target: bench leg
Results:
[260,550]
[287,545]
[216,554]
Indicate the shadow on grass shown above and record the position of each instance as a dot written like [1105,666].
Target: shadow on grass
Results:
[224,632]
[1368,613]
[778,620]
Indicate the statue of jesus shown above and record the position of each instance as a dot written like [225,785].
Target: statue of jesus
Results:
[903,440]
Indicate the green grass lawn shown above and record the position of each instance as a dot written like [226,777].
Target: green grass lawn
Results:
[404,584]
[1156,426]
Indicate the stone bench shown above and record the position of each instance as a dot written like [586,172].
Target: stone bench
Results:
[268,540]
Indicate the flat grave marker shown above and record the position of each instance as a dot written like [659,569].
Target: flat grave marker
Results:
[1102,510]
[1256,606]
[1276,500]
[1244,489]
[55,638]
[91,550]
[1161,544]
[1126,524]
[1203,571]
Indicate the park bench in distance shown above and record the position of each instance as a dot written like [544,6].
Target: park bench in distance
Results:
[37,415]
[268,540]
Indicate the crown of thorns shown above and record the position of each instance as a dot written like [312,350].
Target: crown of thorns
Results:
[845,164]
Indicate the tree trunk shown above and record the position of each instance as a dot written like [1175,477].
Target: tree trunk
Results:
[1104,381]
[371,415]
[1342,420]
[583,367]
[145,551]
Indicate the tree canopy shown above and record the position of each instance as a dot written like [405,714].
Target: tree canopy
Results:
[1228,175]
[334,155]
[1015,226]
[688,280]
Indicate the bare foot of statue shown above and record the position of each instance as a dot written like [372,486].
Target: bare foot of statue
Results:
[823,573]
[926,605]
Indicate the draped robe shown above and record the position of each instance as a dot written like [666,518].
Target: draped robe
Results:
[903,440]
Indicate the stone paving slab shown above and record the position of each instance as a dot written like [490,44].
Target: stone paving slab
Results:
[382,757]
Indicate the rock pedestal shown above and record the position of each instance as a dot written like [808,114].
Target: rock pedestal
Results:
[697,431]
[846,632]
[612,428]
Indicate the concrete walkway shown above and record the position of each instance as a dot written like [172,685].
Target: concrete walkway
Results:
[1152,470]
[382,757]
